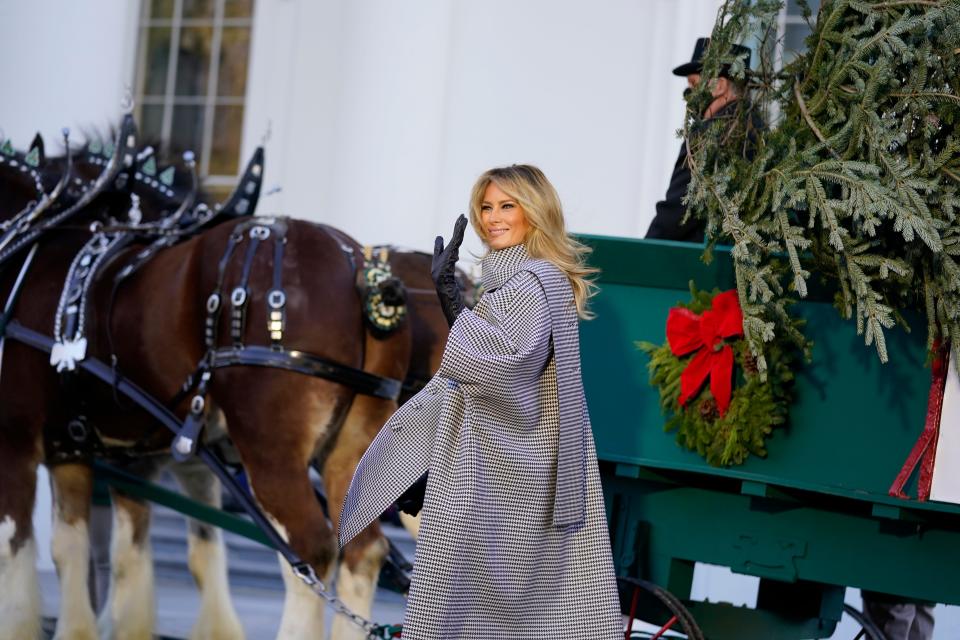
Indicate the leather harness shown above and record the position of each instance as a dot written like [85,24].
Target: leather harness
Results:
[106,243]
[256,232]
[68,345]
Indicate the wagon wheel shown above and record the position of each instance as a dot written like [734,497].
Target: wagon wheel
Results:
[680,619]
[868,631]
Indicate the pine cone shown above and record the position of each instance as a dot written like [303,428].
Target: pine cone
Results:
[708,409]
[750,364]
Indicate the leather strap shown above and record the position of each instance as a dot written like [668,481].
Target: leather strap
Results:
[307,364]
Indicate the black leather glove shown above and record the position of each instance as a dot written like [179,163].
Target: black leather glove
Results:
[444,271]
[411,500]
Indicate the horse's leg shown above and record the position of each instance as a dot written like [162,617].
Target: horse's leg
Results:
[277,420]
[411,523]
[206,558]
[72,492]
[129,613]
[362,558]
[19,587]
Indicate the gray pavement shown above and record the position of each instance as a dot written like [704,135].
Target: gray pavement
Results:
[259,609]
[257,588]
[255,583]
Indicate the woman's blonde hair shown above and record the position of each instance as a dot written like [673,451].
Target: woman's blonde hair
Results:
[547,237]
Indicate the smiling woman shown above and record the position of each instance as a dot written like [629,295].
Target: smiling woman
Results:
[503,221]
[513,535]
[518,205]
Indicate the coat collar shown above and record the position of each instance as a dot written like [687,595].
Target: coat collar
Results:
[499,266]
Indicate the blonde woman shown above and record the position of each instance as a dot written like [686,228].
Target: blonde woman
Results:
[513,537]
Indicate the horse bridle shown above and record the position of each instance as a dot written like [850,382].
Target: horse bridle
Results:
[122,159]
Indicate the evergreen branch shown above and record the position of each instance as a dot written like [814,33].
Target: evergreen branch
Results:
[897,27]
[903,3]
[929,303]
[940,95]
[817,57]
[793,237]
[866,140]
[847,310]
[809,120]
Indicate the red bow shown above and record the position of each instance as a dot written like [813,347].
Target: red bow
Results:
[687,332]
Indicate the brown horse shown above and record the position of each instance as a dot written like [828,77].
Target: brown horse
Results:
[155,334]
[278,420]
[423,341]
[21,445]
[19,454]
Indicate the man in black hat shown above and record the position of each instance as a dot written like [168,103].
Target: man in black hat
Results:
[668,224]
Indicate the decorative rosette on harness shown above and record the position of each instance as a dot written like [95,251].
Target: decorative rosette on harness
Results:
[384,296]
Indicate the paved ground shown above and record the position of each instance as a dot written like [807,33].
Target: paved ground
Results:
[255,582]
[259,609]
[257,589]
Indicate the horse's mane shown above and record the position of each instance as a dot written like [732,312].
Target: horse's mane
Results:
[151,164]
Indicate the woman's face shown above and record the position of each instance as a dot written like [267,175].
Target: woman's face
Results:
[503,219]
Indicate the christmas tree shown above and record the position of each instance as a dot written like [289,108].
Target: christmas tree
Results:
[856,176]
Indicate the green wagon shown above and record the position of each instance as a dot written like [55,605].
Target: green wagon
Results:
[811,518]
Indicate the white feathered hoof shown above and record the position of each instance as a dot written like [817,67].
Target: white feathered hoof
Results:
[71,554]
[356,588]
[226,628]
[19,588]
[129,612]
[303,610]
[207,561]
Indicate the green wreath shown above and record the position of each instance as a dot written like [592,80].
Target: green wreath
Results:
[725,429]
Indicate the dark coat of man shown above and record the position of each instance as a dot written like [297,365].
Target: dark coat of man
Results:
[668,224]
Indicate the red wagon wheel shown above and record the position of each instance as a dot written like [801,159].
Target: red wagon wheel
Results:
[678,617]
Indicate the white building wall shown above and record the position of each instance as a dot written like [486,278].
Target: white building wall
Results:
[64,64]
[382,113]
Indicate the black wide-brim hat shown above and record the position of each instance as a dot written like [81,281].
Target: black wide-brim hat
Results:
[696,60]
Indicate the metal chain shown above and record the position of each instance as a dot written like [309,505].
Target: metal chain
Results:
[306,573]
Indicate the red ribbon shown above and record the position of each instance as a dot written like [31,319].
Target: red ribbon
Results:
[924,452]
[688,332]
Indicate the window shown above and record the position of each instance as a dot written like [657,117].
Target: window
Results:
[191,81]
[793,30]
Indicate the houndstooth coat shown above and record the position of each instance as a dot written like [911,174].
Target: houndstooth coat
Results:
[513,537]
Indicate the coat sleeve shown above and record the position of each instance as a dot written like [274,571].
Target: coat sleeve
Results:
[501,359]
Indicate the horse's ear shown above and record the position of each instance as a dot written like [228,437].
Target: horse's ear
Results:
[243,200]
[36,156]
